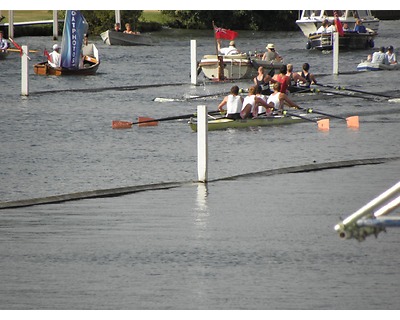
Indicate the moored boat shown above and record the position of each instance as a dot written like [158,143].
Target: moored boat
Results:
[225,123]
[369,66]
[112,37]
[311,20]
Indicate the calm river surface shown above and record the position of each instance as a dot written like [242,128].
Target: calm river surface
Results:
[256,242]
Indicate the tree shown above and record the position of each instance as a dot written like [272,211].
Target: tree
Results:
[263,20]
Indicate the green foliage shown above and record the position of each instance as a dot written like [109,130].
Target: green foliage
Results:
[263,20]
[101,20]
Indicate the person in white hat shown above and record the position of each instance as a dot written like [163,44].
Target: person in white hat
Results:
[227,50]
[271,54]
[55,56]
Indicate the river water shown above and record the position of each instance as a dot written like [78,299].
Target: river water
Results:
[255,242]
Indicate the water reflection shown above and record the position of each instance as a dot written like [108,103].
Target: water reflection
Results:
[201,209]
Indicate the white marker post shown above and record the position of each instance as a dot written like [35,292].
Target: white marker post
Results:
[202,147]
[335,53]
[55,24]
[24,72]
[11,24]
[193,62]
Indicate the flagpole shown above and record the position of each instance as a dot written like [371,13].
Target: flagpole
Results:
[219,58]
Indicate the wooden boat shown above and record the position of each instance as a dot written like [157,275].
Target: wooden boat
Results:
[311,20]
[112,37]
[369,66]
[349,41]
[76,58]
[90,65]
[225,123]
[237,66]
[268,65]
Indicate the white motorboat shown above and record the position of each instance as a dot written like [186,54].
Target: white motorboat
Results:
[311,20]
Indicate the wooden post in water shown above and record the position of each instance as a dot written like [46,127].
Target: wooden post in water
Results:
[193,62]
[11,24]
[202,147]
[24,72]
[55,25]
[335,53]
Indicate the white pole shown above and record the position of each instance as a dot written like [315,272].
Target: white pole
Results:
[24,72]
[193,62]
[118,16]
[55,25]
[202,147]
[335,53]
[11,24]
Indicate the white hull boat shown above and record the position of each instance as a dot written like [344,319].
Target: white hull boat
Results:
[369,66]
[311,20]
[112,37]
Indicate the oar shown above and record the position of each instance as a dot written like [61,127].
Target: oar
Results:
[17,50]
[190,98]
[315,90]
[323,124]
[352,122]
[144,121]
[354,90]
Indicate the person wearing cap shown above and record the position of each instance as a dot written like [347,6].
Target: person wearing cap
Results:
[271,54]
[227,50]
[380,56]
[391,56]
[55,56]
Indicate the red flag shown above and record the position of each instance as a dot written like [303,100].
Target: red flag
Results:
[46,53]
[338,25]
[17,46]
[227,34]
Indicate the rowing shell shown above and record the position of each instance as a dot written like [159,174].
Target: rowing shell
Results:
[225,123]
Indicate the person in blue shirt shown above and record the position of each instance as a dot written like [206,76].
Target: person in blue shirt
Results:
[359,27]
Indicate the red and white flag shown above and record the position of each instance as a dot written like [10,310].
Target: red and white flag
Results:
[221,33]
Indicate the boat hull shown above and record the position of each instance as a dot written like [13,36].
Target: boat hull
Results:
[369,66]
[225,123]
[235,67]
[91,64]
[44,69]
[114,38]
[349,41]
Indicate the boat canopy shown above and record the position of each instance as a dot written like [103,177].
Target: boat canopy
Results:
[329,14]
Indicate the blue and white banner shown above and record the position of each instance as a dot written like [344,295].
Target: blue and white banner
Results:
[75,27]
